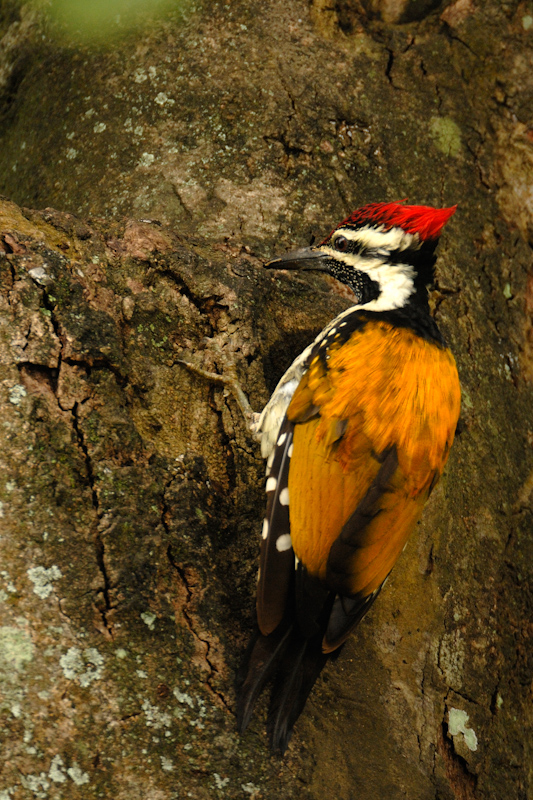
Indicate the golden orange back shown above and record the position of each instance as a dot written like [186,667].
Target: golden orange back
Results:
[384,388]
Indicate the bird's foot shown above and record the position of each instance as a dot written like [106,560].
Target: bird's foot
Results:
[230,381]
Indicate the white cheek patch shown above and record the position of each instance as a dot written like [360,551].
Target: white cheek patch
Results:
[396,281]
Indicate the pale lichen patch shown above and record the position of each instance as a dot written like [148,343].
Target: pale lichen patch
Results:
[149,619]
[163,99]
[146,159]
[220,783]
[16,648]
[10,586]
[37,784]
[78,776]
[457,724]
[155,718]
[55,773]
[16,394]
[183,697]
[42,579]
[251,789]
[84,667]
[139,76]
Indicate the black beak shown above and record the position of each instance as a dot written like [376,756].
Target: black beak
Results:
[305,258]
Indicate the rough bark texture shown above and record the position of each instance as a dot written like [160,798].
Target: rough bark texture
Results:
[131,491]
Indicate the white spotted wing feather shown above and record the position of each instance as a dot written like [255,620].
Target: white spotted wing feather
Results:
[276,571]
[276,568]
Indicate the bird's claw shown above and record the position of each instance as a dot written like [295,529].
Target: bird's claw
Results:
[231,383]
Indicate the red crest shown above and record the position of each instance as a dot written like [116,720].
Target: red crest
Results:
[428,222]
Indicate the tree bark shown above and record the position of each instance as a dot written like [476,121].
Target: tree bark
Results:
[132,491]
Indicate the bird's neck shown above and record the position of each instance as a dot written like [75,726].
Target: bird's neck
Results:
[415,315]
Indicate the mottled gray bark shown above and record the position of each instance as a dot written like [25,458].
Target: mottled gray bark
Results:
[131,491]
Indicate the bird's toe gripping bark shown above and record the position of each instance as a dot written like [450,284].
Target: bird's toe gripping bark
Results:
[229,380]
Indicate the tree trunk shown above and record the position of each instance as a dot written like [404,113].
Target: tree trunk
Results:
[132,492]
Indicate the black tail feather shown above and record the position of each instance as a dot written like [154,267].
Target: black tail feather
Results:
[292,656]
[260,664]
[285,691]
[300,667]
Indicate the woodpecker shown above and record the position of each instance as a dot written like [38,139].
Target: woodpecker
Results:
[356,435]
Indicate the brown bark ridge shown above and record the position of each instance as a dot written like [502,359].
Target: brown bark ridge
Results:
[131,492]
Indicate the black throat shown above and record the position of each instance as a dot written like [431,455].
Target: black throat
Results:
[415,316]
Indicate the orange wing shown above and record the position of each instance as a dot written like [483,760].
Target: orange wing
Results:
[374,421]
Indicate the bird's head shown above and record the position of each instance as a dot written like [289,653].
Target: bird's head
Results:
[384,252]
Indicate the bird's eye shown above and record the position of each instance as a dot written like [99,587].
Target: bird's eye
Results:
[341,243]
